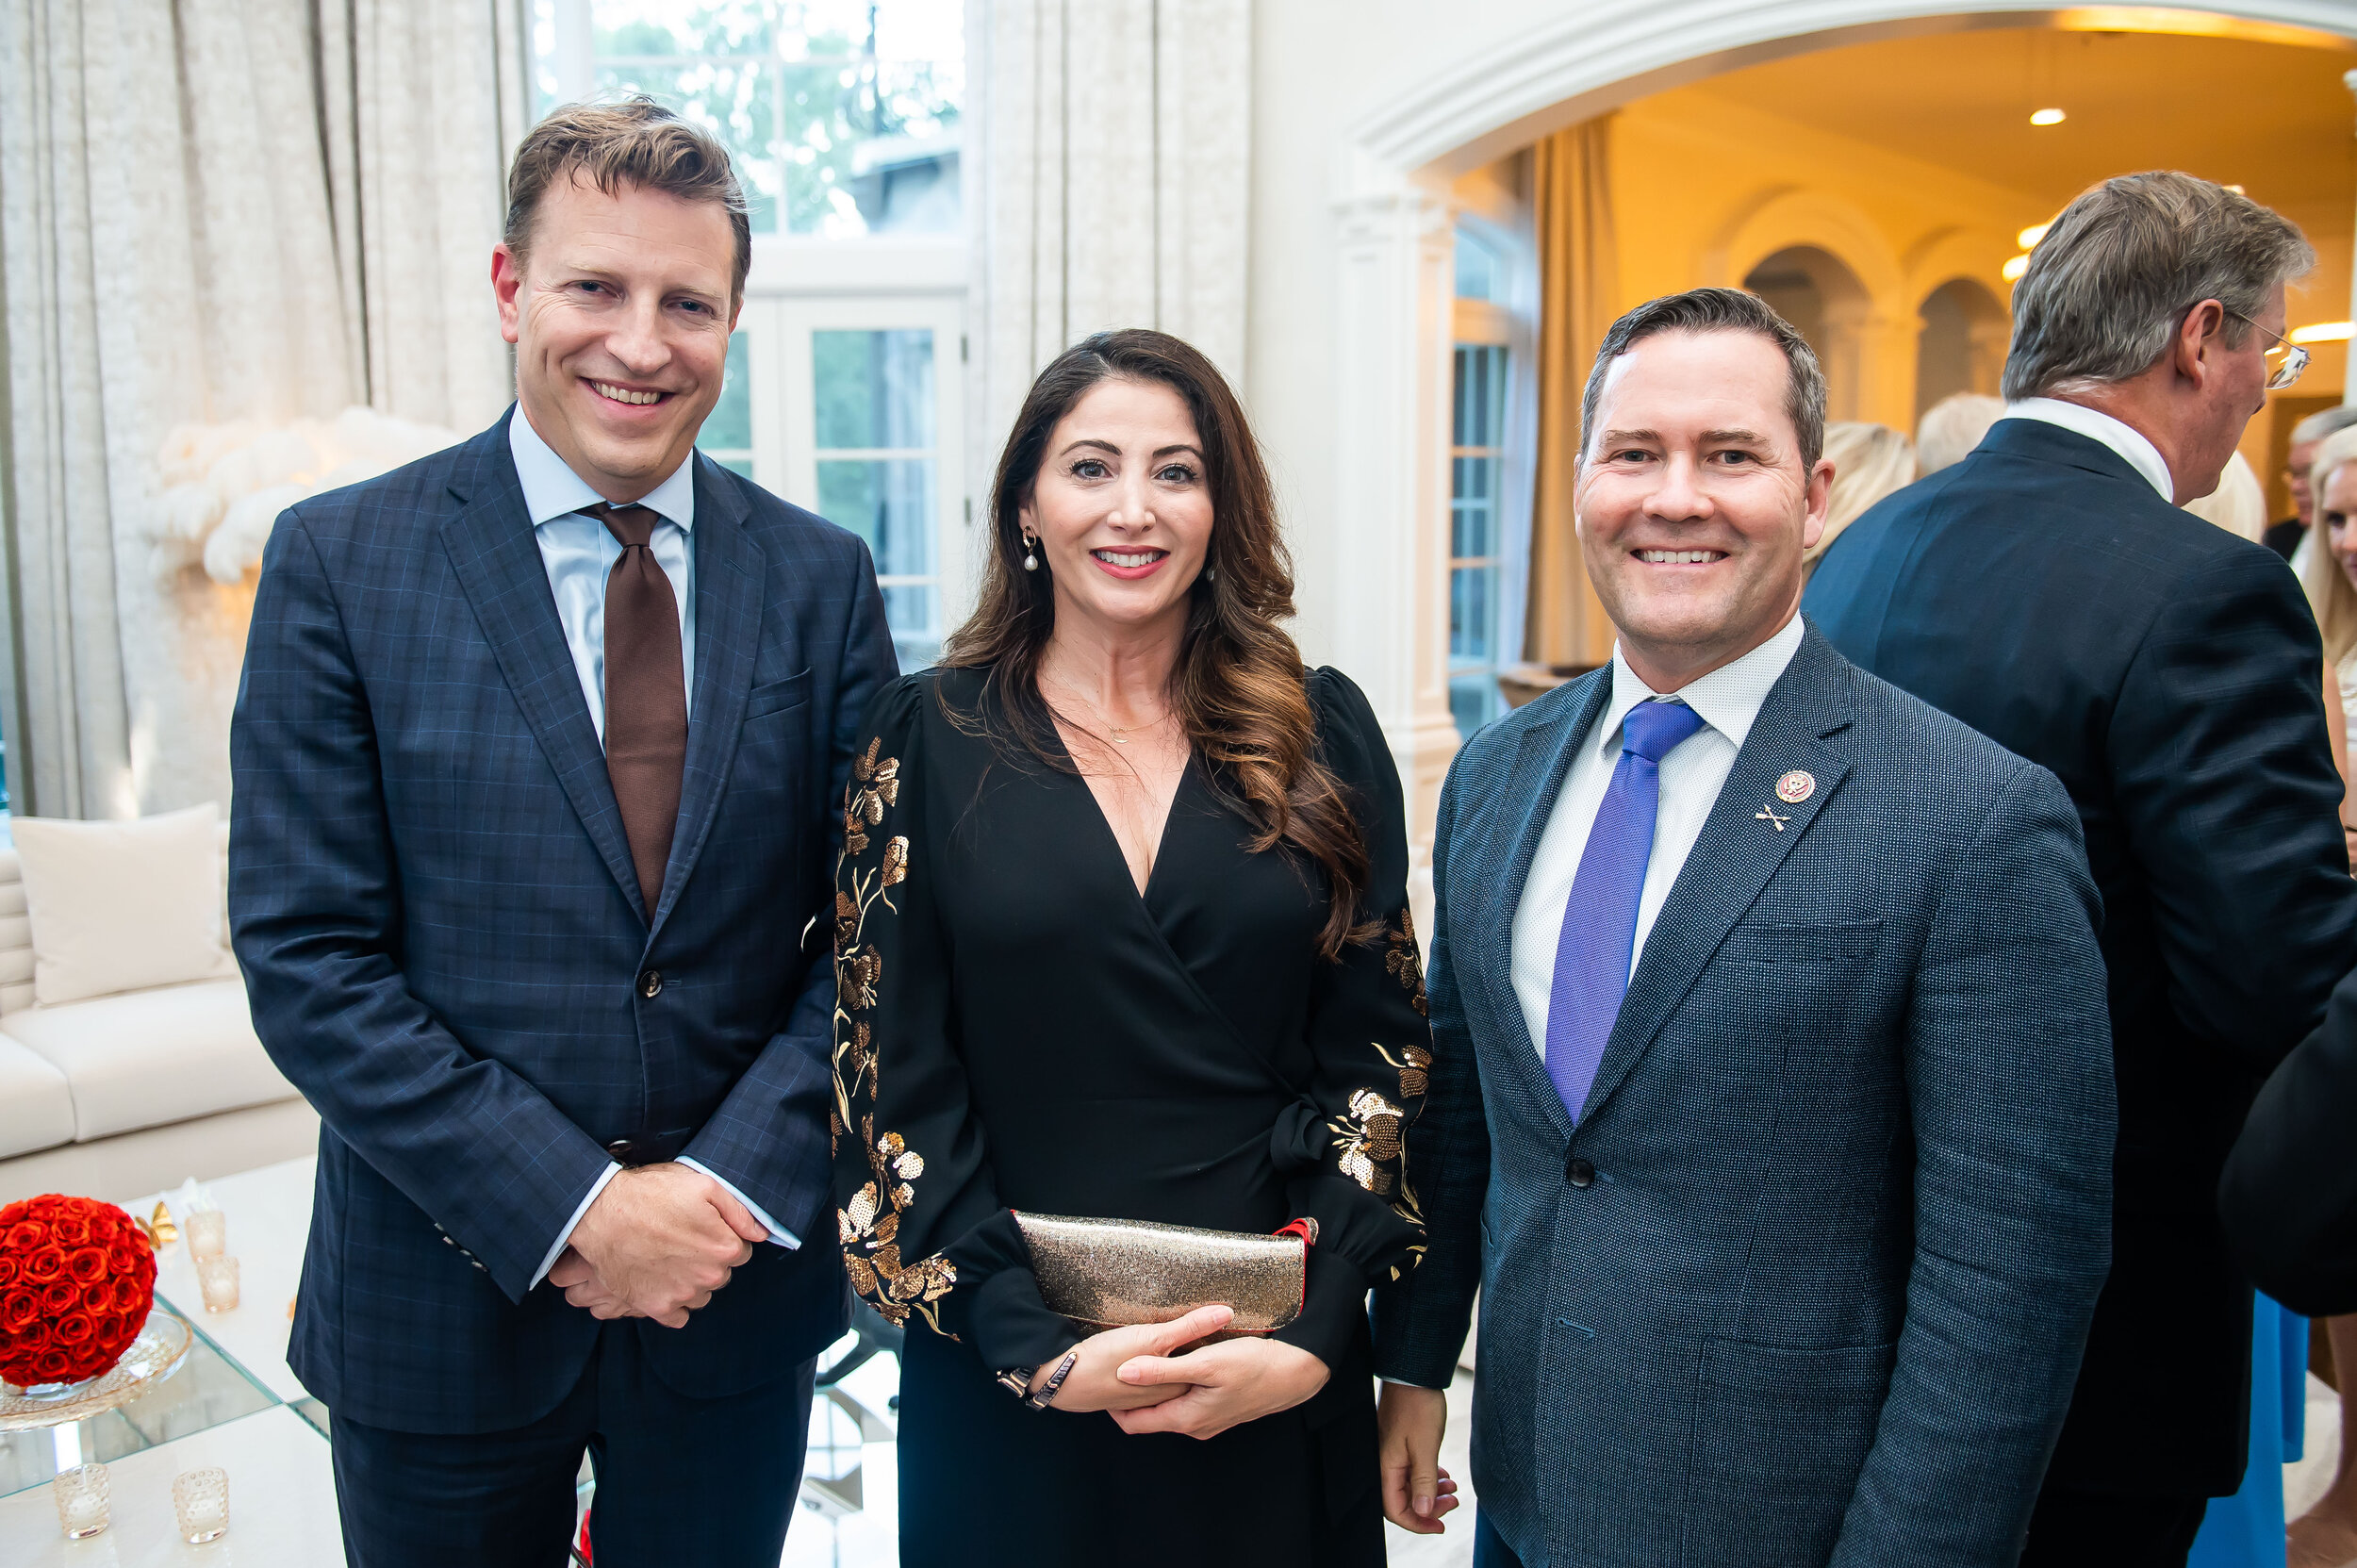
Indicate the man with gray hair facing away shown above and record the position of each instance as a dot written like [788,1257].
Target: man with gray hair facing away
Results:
[2049,591]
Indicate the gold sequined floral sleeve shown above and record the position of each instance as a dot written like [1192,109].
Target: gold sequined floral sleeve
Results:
[1345,1151]
[924,1237]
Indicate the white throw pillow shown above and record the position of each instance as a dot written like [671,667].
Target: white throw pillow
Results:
[120,906]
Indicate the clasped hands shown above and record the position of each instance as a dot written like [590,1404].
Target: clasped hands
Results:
[656,1243]
[1149,1382]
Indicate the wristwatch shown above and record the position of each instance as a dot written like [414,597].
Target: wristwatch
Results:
[1018,1380]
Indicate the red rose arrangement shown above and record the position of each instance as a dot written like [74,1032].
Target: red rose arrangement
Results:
[76,1279]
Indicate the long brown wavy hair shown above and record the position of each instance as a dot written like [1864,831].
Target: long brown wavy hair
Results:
[1237,686]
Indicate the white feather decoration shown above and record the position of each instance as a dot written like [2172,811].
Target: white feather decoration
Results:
[225,485]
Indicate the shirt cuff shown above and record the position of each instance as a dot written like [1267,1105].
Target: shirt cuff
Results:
[564,1237]
[778,1234]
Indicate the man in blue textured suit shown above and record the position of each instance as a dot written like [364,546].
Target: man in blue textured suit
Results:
[1772,1069]
[536,752]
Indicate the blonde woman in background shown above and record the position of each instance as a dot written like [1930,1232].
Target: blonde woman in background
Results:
[1870,461]
[1951,428]
[2326,1535]
[2329,571]
[2239,504]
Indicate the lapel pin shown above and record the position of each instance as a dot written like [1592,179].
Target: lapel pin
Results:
[1768,814]
[1795,787]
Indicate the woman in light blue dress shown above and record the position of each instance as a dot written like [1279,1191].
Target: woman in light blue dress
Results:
[2246,1529]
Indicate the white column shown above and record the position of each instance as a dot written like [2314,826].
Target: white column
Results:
[1390,629]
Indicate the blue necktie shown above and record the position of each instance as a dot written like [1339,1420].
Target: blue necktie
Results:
[1599,940]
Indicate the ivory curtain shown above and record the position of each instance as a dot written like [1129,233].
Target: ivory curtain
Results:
[1115,187]
[213,210]
[1578,300]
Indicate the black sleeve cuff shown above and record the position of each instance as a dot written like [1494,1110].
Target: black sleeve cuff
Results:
[1333,1310]
[995,1305]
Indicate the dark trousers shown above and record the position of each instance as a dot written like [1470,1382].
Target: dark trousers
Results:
[707,1481]
[2071,1530]
[1488,1550]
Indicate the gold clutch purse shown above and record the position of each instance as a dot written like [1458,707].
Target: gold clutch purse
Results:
[1118,1272]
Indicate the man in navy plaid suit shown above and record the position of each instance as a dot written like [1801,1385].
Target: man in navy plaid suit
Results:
[536,754]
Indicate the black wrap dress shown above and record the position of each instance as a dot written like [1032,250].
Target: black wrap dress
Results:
[1017,1028]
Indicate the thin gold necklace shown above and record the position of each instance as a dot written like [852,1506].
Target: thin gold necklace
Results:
[1118,731]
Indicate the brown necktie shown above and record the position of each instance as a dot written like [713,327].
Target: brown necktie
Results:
[646,696]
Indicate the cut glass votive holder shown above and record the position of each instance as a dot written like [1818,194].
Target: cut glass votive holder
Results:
[200,1501]
[81,1495]
[208,1233]
[217,1278]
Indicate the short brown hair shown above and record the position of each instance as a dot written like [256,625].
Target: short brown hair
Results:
[1719,310]
[633,142]
[2112,280]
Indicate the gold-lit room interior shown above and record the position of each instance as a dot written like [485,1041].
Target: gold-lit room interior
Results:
[1878,193]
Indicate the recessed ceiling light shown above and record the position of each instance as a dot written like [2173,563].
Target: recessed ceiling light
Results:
[2031,236]
[2047,117]
[2014,269]
[2325,332]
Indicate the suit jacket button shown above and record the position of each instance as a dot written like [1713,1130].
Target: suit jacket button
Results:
[650,985]
[1581,1173]
[623,1151]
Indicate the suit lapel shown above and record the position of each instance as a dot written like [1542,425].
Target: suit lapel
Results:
[1739,851]
[499,566]
[729,575]
[1532,786]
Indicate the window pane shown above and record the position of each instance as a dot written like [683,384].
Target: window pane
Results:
[887,501]
[1476,471]
[730,427]
[874,390]
[736,100]
[843,116]
[1477,269]
[1470,525]
[1471,614]
[912,610]
[1473,701]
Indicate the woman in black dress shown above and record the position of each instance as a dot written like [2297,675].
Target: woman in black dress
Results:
[1122,932]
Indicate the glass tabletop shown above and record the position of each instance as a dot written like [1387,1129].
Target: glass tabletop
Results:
[209,1389]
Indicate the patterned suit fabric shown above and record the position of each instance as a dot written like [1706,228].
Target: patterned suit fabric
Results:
[1809,1282]
[448,951]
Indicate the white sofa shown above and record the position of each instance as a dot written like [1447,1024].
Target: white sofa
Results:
[116,1096]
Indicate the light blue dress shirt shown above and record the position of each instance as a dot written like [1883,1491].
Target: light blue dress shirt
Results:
[578,553]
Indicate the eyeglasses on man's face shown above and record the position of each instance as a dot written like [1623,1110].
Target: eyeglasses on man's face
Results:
[2285,359]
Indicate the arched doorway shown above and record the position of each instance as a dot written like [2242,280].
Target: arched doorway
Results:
[1382,494]
[1812,289]
[1962,345]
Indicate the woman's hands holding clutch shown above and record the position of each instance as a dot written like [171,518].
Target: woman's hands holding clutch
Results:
[1092,1384]
[1225,1385]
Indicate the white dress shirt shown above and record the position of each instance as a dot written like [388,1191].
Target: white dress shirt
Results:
[2095,425]
[1728,699]
[578,553]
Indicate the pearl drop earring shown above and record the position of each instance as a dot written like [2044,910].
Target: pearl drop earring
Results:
[1030,557]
